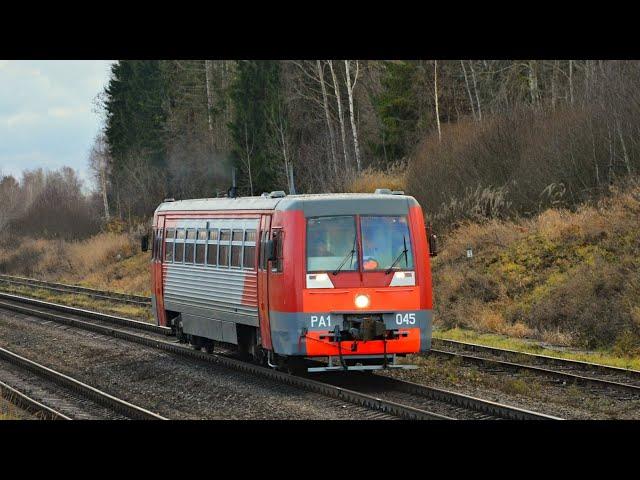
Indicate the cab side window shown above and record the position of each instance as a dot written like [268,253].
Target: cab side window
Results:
[154,246]
[262,261]
[278,239]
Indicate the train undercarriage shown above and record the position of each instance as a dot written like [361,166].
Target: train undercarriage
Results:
[355,328]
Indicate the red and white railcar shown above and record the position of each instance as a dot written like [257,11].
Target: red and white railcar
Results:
[340,277]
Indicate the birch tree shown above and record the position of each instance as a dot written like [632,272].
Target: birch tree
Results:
[475,88]
[466,82]
[350,88]
[209,88]
[99,163]
[247,153]
[277,119]
[336,87]
[325,104]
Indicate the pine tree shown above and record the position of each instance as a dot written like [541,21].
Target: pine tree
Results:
[253,94]
[398,111]
[134,105]
[135,119]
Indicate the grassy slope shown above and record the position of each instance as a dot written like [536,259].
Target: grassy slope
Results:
[107,261]
[566,278]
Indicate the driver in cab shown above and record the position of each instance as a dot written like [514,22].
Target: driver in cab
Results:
[372,248]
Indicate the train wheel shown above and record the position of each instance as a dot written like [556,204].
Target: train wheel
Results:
[295,366]
[208,345]
[261,356]
[196,342]
[247,342]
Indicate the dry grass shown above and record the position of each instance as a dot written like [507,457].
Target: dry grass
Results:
[82,301]
[567,278]
[108,261]
[604,357]
[370,179]
[8,411]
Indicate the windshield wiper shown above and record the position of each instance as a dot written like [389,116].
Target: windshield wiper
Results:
[348,256]
[403,252]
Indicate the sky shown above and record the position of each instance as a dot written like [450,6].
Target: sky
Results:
[47,113]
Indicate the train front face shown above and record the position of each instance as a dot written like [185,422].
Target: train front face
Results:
[366,286]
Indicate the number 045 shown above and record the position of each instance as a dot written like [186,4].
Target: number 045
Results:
[406,318]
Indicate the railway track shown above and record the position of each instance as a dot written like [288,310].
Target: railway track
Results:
[398,398]
[571,371]
[76,289]
[444,347]
[50,394]
[28,404]
[582,373]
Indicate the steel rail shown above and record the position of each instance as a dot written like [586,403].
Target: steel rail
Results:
[560,362]
[65,288]
[465,401]
[565,376]
[358,398]
[104,317]
[29,404]
[109,401]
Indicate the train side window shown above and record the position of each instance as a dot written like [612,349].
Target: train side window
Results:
[236,248]
[225,247]
[201,245]
[189,246]
[179,256]
[236,255]
[171,233]
[179,246]
[212,247]
[168,250]
[277,238]
[249,254]
[188,253]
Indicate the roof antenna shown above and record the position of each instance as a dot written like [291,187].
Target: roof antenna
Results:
[233,191]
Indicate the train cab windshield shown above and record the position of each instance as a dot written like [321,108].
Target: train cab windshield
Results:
[386,243]
[333,243]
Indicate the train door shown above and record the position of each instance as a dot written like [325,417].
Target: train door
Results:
[158,291]
[263,283]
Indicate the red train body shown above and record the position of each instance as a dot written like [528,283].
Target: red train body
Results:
[340,277]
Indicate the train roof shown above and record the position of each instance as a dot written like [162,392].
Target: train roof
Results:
[382,202]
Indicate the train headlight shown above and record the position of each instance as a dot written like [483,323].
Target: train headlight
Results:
[403,279]
[319,280]
[362,301]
